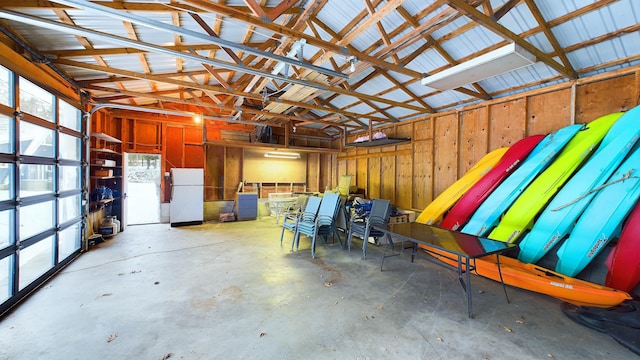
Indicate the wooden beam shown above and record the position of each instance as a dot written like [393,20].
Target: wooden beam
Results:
[121,5]
[111,70]
[280,9]
[256,9]
[326,45]
[504,9]
[387,8]
[203,24]
[502,31]
[549,34]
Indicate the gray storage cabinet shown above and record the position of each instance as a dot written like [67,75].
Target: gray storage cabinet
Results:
[247,205]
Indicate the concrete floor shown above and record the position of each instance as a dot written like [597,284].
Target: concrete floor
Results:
[229,291]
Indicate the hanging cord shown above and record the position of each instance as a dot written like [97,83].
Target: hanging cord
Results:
[623,178]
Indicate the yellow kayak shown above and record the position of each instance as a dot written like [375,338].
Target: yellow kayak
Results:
[433,213]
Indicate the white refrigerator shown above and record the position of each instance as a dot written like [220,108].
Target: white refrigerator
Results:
[187,197]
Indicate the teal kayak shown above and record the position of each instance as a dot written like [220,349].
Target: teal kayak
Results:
[520,216]
[603,218]
[488,213]
[559,217]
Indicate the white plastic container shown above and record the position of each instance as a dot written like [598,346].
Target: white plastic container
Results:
[109,226]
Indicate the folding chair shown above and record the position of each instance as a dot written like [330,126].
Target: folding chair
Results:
[363,228]
[323,225]
[290,221]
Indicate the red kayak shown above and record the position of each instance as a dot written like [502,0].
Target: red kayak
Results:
[460,213]
[624,261]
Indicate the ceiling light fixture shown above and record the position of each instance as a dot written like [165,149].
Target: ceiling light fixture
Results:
[352,65]
[496,62]
[282,155]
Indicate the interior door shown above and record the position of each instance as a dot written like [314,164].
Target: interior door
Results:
[125,191]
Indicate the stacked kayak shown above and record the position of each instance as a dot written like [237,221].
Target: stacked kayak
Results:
[488,213]
[434,211]
[577,191]
[469,202]
[522,212]
[603,217]
[624,260]
[538,279]
[558,218]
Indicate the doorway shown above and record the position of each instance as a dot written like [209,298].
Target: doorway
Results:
[142,174]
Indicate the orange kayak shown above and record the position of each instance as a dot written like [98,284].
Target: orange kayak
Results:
[538,279]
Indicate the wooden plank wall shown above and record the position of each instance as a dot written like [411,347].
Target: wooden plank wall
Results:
[445,145]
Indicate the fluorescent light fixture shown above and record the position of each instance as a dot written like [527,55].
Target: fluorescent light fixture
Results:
[496,62]
[282,155]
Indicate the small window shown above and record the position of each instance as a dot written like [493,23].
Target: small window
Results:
[6,226]
[70,117]
[36,140]
[6,134]
[69,241]
[70,147]
[35,179]
[69,178]
[69,208]
[35,260]
[6,181]
[6,87]
[6,275]
[35,219]
[35,100]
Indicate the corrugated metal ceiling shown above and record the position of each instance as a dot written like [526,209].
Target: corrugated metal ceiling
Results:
[417,37]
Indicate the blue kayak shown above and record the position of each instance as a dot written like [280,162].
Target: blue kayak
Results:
[489,212]
[603,217]
[558,218]
[519,218]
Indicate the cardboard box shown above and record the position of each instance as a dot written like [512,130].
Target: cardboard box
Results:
[412,214]
[105,162]
[103,173]
[399,219]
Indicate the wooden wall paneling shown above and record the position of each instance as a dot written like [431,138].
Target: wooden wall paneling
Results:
[548,112]
[342,170]
[313,172]
[423,129]
[374,166]
[388,175]
[166,165]
[404,130]
[422,186]
[175,151]
[352,166]
[506,123]
[326,173]
[445,152]
[404,177]
[194,156]
[362,171]
[637,78]
[128,138]
[604,97]
[193,134]
[145,136]
[214,173]
[232,172]
[474,137]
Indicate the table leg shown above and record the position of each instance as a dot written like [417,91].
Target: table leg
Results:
[504,288]
[468,274]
